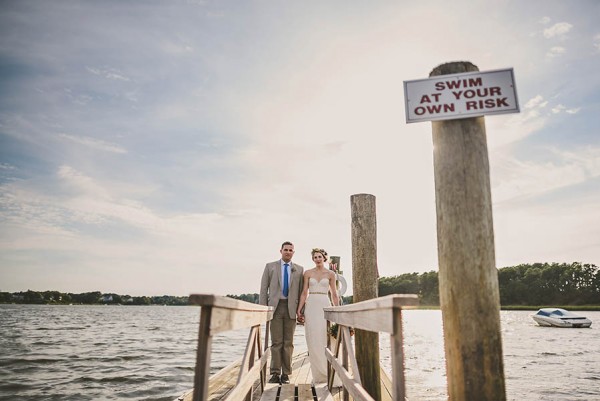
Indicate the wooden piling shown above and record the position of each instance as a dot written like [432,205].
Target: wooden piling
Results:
[468,278]
[364,284]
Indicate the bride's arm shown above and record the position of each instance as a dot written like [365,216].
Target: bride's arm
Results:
[303,296]
[333,290]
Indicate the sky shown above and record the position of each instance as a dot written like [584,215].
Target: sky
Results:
[151,147]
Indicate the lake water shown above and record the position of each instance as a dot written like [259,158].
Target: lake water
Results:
[148,353]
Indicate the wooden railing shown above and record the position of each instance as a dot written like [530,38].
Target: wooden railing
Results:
[382,314]
[219,314]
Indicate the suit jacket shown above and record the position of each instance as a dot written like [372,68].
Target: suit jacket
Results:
[270,286]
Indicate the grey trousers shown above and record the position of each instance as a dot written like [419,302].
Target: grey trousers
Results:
[282,339]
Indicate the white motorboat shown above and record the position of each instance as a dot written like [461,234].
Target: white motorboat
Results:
[556,317]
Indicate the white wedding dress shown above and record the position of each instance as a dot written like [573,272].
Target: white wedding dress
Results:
[315,327]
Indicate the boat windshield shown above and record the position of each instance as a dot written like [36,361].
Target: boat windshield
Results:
[555,312]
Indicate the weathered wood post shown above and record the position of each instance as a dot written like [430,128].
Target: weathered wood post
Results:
[202,370]
[468,279]
[364,286]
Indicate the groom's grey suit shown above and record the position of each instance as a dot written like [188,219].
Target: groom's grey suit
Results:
[283,324]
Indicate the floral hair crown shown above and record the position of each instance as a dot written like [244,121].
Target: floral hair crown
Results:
[319,250]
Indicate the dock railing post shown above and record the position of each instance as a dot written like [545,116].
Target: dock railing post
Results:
[397,356]
[203,355]
[263,371]
[468,278]
[364,282]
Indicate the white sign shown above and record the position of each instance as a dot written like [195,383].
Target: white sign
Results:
[470,94]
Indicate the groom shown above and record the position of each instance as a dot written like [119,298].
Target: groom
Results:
[280,288]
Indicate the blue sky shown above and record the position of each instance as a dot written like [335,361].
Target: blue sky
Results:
[170,147]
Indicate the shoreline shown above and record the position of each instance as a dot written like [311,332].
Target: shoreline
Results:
[594,308]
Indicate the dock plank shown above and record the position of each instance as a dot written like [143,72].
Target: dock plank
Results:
[287,393]
[222,382]
[300,363]
[304,375]
[305,392]
[270,393]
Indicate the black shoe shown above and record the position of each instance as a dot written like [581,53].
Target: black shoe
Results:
[275,379]
[285,379]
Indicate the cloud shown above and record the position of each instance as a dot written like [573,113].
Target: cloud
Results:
[555,51]
[536,101]
[545,20]
[83,201]
[124,238]
[555,232]
[588,159]
[532,118]
[6,166]
[81,184]
[518,126]
[597,42]
[93,143]
[91,201]
[108,73]
[543,210]
[528,178]
[560,108]
[558,30]
[174,49]
[517,179]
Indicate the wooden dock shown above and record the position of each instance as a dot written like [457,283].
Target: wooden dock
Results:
[299,388]
[246,379]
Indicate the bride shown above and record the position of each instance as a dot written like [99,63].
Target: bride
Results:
[318,281]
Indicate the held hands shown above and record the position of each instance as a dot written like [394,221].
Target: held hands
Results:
[300,318]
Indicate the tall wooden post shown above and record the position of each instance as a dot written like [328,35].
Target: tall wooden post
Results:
[203,351]
[364,284]
[468,279]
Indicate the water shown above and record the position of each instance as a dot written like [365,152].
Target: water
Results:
[540,363]
[148,353]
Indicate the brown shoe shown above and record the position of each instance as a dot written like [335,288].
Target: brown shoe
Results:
[285,379]
[275,379]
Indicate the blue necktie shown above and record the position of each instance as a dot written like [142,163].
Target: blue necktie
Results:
[286,285]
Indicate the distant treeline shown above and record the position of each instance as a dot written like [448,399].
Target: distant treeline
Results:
[87,298]
[526,284]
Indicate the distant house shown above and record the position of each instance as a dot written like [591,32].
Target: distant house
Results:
[106,298]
